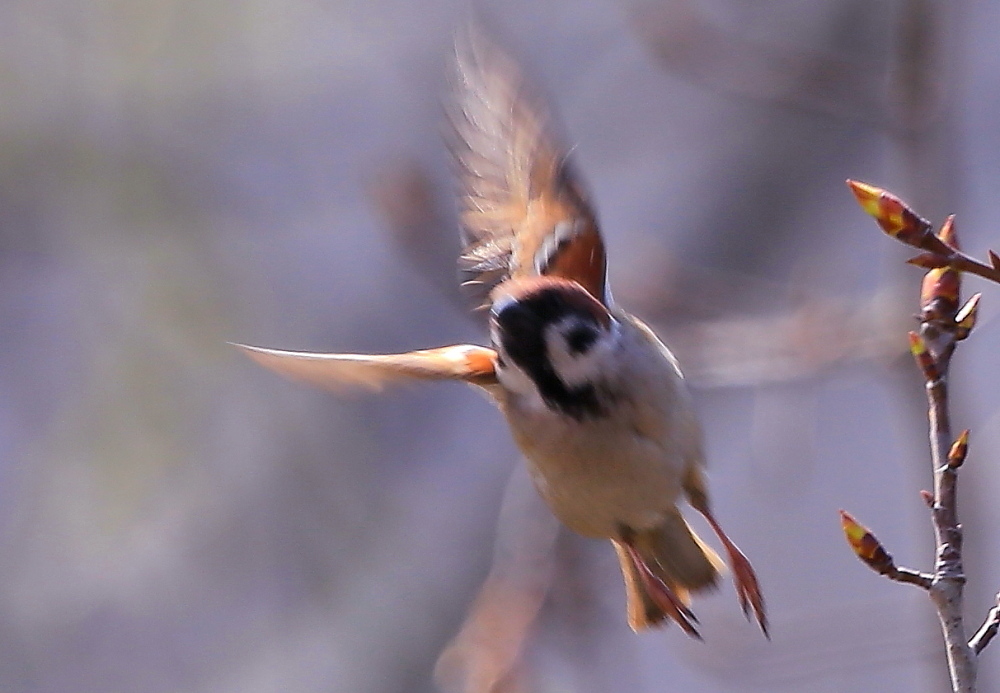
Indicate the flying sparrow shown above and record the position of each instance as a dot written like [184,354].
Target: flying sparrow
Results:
[594,400]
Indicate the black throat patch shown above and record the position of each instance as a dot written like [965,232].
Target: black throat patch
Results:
[521,328]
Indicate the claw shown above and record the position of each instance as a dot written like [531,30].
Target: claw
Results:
[747,588]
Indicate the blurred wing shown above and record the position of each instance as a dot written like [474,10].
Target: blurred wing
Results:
[339,372]
[523,211]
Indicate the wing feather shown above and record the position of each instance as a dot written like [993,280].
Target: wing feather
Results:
[339,372]
[523,211]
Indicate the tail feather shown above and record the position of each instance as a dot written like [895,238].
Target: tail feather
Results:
[674,554]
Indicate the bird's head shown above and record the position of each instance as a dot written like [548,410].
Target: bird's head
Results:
[554,341]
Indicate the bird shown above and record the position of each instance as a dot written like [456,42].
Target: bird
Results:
[595,402]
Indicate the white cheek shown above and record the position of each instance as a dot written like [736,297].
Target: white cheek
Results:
[580,369]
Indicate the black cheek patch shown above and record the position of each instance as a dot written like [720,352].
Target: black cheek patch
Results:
[578,403]
[580,338]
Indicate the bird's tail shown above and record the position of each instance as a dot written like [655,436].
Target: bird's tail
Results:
[673,553]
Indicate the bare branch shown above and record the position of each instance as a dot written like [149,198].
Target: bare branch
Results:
[943,323]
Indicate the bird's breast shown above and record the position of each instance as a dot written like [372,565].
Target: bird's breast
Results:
[598,474]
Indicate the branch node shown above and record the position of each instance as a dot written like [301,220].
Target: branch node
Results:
[925,360]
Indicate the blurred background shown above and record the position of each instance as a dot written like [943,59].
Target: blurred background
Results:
[176,174]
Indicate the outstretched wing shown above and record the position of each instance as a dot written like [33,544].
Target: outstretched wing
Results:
[338,372]
[523,210]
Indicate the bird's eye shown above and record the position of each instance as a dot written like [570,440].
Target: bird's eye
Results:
[580,338]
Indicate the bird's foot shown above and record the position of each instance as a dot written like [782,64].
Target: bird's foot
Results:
[747,587]
[671,604]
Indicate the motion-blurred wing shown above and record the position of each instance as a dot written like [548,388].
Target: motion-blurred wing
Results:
[523,211]
[338,372]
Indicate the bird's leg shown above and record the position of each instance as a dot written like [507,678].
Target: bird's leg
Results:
[661,594]
[744,576]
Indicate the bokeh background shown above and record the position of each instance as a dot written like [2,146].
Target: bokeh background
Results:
[177,174]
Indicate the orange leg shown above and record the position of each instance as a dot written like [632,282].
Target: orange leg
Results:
[744,577]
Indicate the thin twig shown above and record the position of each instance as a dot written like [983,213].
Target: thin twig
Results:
[988,630]
[963,263]
[869,549]
[949,577]
[911,577]
[898,220]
